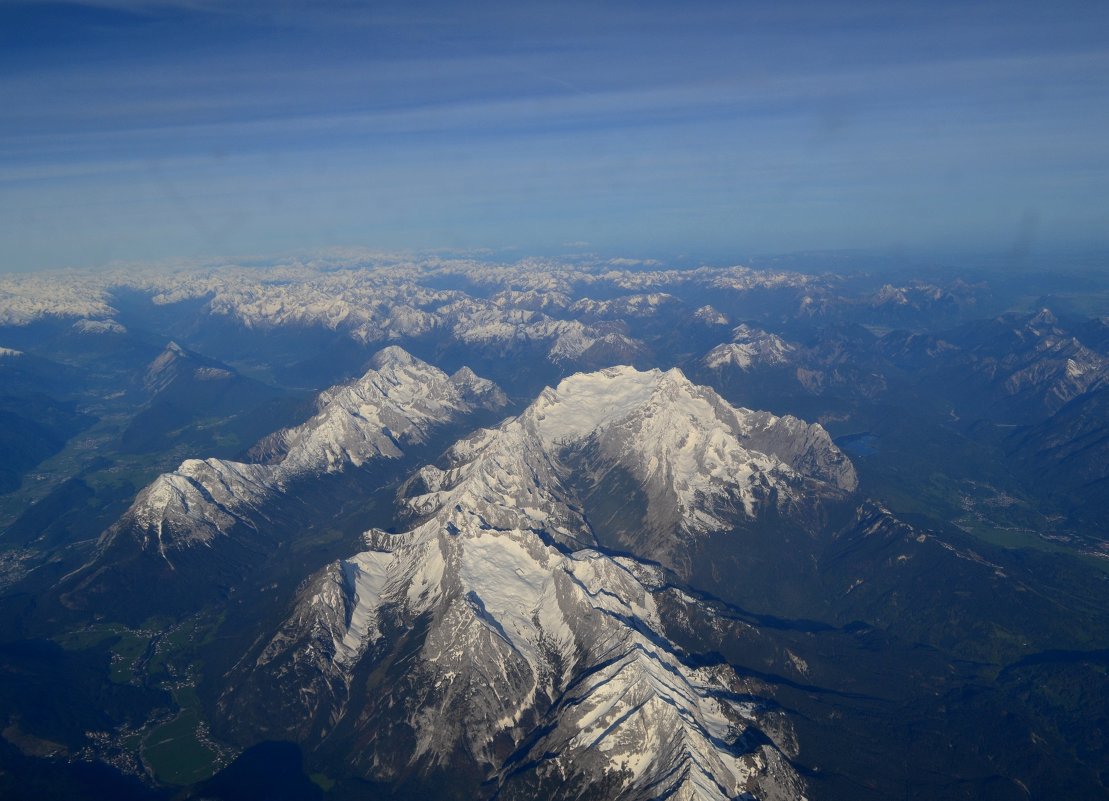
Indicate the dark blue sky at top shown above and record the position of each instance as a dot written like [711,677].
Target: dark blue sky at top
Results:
[154,129]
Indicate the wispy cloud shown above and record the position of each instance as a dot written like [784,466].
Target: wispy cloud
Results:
[831,123]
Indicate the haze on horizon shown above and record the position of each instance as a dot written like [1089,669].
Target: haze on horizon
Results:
[153,129]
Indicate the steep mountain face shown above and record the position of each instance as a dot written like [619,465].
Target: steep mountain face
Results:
[175,364]
[1075,441]
[490,652]
[661,462]
[1074,445]
[32,427]
[398,402]
[182,394]
[532,659]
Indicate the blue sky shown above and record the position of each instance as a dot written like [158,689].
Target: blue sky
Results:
[151,129]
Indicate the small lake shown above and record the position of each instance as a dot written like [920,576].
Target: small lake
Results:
[864,444]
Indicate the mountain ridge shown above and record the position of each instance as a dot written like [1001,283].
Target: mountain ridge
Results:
[532,641]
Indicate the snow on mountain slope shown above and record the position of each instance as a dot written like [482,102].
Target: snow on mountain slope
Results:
[99,327]
[534,642]
[398,402]
[199,500]
[27,297]
[560,655]
[750,347]
[483,324]
[699,459]
[710,315]
[644,305]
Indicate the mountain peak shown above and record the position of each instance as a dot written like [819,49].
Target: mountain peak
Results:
[710,315]
[376,417]
[175,362]
[392,356]
[1043,317]
[585,402]
[699,459]
[750,347]
[161,372]
[700,463]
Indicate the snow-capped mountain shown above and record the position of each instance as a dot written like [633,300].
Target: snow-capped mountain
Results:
[643,305]
[397,403]
[400,400]
[533,653]
[750,347]
[26,297]
[700,465]
[371,298]
[710,315]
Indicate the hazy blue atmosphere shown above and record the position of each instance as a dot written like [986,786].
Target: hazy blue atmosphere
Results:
[148,130]
[566,401]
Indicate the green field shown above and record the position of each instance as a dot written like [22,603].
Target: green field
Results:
[124,655]
[173,750]
[89,637]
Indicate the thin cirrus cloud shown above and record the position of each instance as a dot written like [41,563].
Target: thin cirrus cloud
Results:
[161,129]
